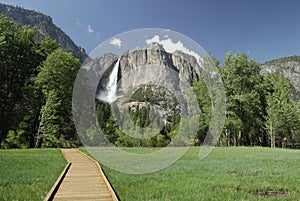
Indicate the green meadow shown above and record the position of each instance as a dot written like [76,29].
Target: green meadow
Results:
[28,174]
[228,173]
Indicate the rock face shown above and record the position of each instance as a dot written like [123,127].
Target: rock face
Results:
[45,26]
[149,74]
[151,64]
[288,67]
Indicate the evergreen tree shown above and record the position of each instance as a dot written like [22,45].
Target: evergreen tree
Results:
[20,55]
[58,73]
[203,98]
[50,122]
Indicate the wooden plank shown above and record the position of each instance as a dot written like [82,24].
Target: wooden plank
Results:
[115,198]
[84,180]
[57,184]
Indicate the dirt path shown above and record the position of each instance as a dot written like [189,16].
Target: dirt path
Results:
[84,180]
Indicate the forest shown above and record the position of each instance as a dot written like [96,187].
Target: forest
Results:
[37,79]
[36,89]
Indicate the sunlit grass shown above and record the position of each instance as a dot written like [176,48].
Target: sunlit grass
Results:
[28,174]
[234,173]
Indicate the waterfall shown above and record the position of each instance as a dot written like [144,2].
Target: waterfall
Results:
[110,94]
[111,86]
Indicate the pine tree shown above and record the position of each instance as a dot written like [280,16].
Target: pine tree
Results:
[49,129]
[58,74]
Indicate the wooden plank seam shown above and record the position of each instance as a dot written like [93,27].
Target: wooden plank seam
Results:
[112,192]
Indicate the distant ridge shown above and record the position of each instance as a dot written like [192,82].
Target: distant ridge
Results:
[44,24]
[287,67]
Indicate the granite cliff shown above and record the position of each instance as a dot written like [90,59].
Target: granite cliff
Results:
[150,64]
[287,67]
[45,26]
[147,75]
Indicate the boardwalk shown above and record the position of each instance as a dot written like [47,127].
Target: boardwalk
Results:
[84,180]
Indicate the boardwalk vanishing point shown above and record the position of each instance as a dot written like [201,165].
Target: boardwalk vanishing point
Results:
[82,179]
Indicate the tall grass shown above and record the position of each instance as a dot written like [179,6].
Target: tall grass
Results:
[234,173]
[28,174]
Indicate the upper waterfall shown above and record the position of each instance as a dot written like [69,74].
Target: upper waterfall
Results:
[110,93]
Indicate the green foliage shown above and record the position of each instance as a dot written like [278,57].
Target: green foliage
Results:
[48,45]
[241,79]
[29,71]
[282,119]
[12,140]
[106,122]
[251,100]
[20,57]
[50,121]
[146,93]
[258,106]
[58,73]
[139,115]
[204,102]
[56,80]
[37,77]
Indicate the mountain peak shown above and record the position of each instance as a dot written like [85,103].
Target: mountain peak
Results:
[155,45]
[45,26]
[287,67]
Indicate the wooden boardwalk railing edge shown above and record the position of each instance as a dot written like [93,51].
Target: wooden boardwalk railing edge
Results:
[57,184]
[110,188]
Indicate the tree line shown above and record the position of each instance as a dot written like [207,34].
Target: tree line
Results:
[36,88]
[37,79]
[259,110]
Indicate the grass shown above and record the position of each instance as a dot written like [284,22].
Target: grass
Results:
[28,174]
[228,173]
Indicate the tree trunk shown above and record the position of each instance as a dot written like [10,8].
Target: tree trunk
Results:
[39,138]
[272,136]
[239,137]
[284,142]
[234,140]
[273,142]
[227,133]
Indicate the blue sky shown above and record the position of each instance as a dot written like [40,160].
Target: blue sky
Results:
[265,30]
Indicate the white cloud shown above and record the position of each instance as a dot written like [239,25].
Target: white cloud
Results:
[155,39]
[116,42]
[171,47]
[89,29]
